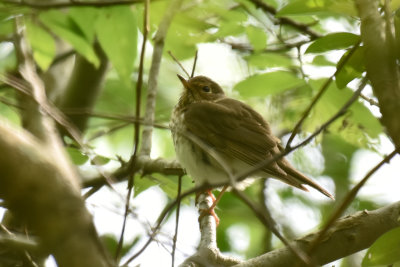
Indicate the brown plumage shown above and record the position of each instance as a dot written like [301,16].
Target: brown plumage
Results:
[212,131]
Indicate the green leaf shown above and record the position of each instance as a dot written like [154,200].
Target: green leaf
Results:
[337,154]
[99,160]
[321,60]
[333,41]
[268,60]
[111,244]
[257,37]
[385,250]
[65,28]
[85,18]
[315,7]
[43,45]
[269,83]
[8,59]
[231,23]
[353,68]
[77,157]
[117,31]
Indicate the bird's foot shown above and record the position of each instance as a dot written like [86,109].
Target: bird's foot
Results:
[209,212]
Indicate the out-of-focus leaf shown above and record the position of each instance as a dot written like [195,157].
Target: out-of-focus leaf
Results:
[385,250]
[77,157]
[85,18]
[99,160]
[231,23]
[268,84]
[111,244]
[257,37]
[313,7]
[353,68]
[144,183]
[117,31]
[321,60]
[6,26]
[268,60]
[43,45]
[63,26]
[333,41]
[8,59]
[337,153]
[169,184]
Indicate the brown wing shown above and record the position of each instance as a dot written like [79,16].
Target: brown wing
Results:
[235,129]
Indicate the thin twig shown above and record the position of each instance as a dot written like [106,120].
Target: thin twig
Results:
[194,64]
[178,206]
[139,83]
[179,63]
[316,98]
[118,117]
[371,101]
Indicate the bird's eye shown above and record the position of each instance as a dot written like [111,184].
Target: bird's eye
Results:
[206,89]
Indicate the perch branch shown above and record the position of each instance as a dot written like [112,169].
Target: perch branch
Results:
[381,65]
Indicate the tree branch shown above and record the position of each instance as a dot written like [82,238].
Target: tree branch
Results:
[208,253]
[347,236]
[43,193]
[382,69]
[159,39]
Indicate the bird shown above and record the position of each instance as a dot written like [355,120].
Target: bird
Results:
[216,138]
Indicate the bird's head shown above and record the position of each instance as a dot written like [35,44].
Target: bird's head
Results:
[200,88]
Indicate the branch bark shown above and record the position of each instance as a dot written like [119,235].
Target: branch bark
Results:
[381,65]
[40,191]
[208,253]
[347,236]
[153,75]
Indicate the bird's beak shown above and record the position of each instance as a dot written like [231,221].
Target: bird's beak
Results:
[183,81]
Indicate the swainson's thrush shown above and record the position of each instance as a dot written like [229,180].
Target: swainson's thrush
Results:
[212,131]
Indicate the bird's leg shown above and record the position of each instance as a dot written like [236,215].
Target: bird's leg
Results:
[215,201]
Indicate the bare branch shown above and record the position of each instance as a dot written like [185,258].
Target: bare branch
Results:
[208,253]
[43,194]
[159,38]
